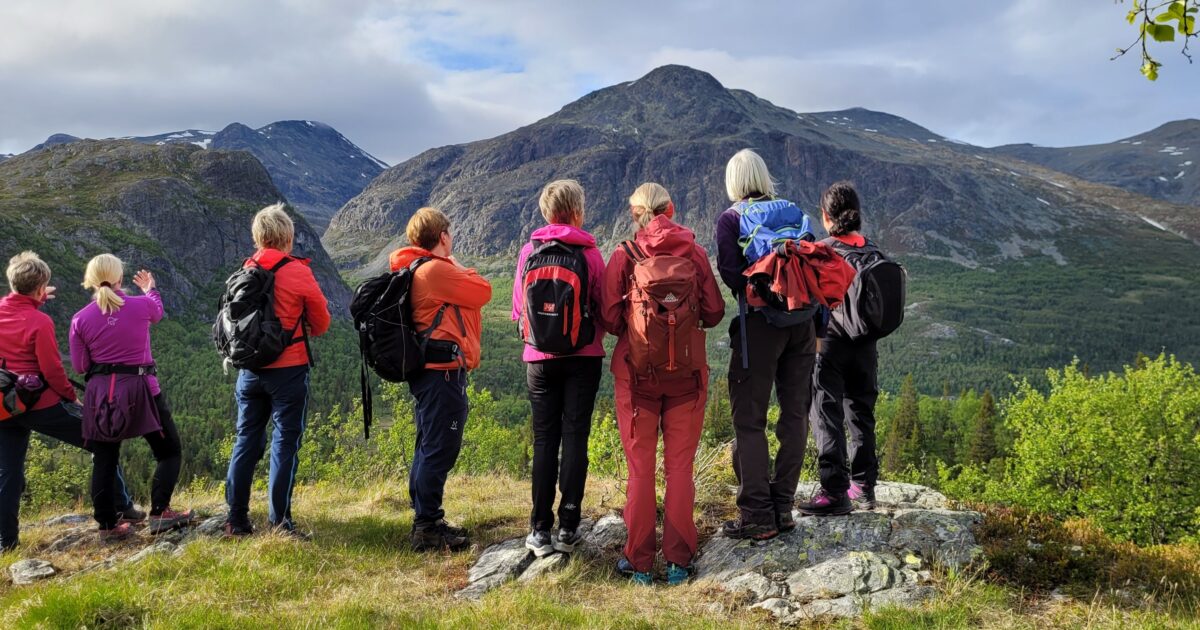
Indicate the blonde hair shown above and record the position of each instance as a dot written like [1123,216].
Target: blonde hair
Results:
[648,201]
[562,202]
[426,227]
[27,273]
[745,174]
[103,275]
[273,229]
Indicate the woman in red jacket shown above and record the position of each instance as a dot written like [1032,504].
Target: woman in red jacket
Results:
[661,375]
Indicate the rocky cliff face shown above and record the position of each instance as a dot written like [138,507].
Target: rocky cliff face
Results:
[678,126]
[177,210]
[316,168]
[1163,163]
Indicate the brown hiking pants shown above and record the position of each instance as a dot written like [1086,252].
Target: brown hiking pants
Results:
[783,358]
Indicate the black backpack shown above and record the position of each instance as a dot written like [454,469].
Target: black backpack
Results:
[874,305]
[248,332]
[14,399]
[556,314]
[388,337]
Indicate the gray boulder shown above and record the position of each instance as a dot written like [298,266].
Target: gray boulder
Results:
[498,564]
[68,519]
[29,571]
[840,565]
[161,547]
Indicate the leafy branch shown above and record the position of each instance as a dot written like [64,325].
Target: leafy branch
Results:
[1160,22]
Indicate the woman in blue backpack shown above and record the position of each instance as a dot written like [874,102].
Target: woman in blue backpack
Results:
[559,274]
[764,355]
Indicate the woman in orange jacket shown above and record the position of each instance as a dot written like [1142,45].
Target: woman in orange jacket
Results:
[659,295]
[450,295]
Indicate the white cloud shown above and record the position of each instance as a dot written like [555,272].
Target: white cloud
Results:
[399,77]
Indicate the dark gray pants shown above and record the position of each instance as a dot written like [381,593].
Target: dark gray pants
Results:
[783,358]
[845,390]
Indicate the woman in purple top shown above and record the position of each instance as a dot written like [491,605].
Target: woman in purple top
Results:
[562,387]
[110,343]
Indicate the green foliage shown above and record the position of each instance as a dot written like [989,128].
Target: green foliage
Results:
[903,445]
[1120,449]
[1159,21]
[983,434]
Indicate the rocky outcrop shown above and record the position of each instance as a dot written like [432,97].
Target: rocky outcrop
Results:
[841,565]
[24,572]
[510,560]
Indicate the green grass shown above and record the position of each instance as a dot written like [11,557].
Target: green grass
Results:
[358,573]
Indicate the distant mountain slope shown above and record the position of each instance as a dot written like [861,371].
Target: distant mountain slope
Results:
[1162,163]
[316,168]
[679,126]
[177,210]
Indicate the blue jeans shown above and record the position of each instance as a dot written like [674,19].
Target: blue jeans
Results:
[62,422]
[441,416]
[279,395]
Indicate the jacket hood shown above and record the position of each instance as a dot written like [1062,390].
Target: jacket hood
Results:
[664,236]
[270,257]
[568,234]
[404,256]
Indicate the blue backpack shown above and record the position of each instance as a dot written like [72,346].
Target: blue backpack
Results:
[766,223]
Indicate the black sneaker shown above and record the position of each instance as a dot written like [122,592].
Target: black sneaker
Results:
[130,515]
[826,504]
[288,529]
[453,530]
[238,529]
[741,530]
[567,540]
[437,537]
[784,521]
[539,543]
[862,497]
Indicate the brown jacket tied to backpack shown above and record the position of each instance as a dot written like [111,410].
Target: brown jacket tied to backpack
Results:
[659,294]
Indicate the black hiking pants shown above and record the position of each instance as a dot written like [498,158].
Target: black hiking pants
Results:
[562,395]
[167,455]
[781,358]
[845,389]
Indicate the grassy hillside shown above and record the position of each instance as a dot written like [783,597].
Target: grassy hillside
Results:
[357,572]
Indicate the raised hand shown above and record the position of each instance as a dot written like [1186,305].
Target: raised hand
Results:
[49,294]
[144,281]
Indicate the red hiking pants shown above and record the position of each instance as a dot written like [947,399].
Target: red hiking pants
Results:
[642,415]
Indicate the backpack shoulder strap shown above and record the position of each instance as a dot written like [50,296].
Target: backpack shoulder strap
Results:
[634,251]
[279,265]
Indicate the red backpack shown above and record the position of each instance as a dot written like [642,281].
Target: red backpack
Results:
[662,313]
[556,313]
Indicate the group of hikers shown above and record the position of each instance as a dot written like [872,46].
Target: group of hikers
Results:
[421,322]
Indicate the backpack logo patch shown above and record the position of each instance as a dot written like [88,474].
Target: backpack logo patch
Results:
[670,298]
[549,307]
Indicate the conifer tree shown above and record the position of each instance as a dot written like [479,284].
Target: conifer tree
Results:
[903,445]
[983,433]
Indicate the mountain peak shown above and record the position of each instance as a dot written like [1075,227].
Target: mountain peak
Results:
[679,77]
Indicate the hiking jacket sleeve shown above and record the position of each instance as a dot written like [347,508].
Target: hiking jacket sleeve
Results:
[460,286]
[730,260]
[316,307]
[612,299]
[155,308]
[45,346]
[712,306]
[81,359]
[518,297]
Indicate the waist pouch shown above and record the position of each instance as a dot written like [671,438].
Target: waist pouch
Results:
[119,406]
[442,351]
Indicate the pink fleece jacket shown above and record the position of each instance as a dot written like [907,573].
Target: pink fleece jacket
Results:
[570,235]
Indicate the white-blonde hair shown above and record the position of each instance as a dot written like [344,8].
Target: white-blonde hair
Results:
[273,229]
[27,273]
[562,202]
[648,201]
[746,174]
[103,276]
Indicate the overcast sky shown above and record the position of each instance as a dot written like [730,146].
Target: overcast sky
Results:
[400,77]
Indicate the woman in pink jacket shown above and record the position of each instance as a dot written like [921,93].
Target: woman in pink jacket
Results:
[556,296]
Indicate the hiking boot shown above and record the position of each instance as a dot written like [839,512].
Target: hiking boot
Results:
[451,529]
[567,540]
[625,569]
[741,530]
[437,537]
[539,543]
[168,520]
[120,531]
[288,529]
[238,529]
[824,503]
[677,575]
[130,515]
[862,497]
[784,521]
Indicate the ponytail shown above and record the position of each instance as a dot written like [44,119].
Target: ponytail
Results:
[102,273]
